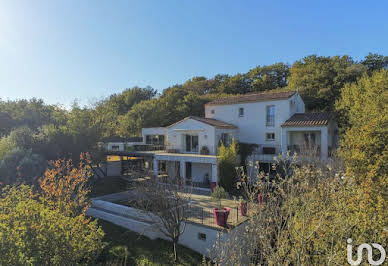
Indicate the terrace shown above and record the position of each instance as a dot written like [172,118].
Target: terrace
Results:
[200,211]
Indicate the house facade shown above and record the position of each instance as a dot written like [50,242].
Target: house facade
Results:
[275,122]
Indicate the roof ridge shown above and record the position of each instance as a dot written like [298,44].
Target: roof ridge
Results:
[258,96]
[205,120]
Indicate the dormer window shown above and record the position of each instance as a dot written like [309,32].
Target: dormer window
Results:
[270,115]
[241,112]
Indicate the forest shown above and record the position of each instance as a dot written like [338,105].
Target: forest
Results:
[43,140]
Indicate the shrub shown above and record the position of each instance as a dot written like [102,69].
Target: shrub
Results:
[21,166]
[227,162]
[32,233]
[218,194]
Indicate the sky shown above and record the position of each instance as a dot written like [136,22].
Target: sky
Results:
[65,50]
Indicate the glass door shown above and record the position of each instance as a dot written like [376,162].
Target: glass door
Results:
[191,143]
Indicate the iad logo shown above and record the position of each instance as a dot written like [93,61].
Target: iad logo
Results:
[370,253]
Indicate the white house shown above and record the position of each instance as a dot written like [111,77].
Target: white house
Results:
[275,122]
[191,148]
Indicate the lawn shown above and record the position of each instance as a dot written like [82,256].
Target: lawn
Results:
[141,250]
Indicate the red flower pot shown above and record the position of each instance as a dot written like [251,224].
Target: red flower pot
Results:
[243,208]
[213,185]
[221,216]
[260,198]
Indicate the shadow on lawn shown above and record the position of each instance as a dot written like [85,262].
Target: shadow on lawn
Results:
[141,250]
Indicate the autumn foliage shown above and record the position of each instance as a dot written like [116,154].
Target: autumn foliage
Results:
[66,186]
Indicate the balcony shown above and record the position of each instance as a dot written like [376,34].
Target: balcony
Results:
[149,147]
[266,153]
[304,150]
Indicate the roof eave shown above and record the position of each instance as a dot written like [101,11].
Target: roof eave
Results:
[253,101]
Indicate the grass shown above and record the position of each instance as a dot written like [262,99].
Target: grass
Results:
[141,250]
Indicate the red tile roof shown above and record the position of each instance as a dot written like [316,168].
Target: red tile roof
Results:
[253,97]
[210,121]
[308,119]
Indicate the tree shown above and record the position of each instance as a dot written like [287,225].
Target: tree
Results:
[66,187]
[320,79]
[6,124]
[167,205]
[107,111]
[227,162]
[364,106]
[237,84]
[22,137]
[31,113]
[375,62]
[304,218]
[364,149]
[269,77]
[33,233]
[21,166]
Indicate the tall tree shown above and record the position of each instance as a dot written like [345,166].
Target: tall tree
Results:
[365,106]
[107,112]
[319,79]
[237,84]
[264,78]
[375,62]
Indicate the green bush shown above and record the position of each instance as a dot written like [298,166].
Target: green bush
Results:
[227,163]
[31,233]
[218,194]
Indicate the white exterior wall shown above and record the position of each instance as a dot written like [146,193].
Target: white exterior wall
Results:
[121,145]
[205,132]
[324,137]
[332,136]
[232,131]
[296,104]
[200,164]
[252,126]
[134,143]
[122,216]
[153,131]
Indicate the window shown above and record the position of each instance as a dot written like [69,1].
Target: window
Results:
[161,139]
[241,112]
[225,139]
[270,136]
[202,236]
[155,139]
[269,150]
[115,147]
[270,121]
[212,112]
[191,142]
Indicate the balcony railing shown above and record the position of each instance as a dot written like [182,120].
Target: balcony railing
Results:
[149,147]
[304,149]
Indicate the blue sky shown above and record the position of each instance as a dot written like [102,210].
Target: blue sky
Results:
[63,50]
